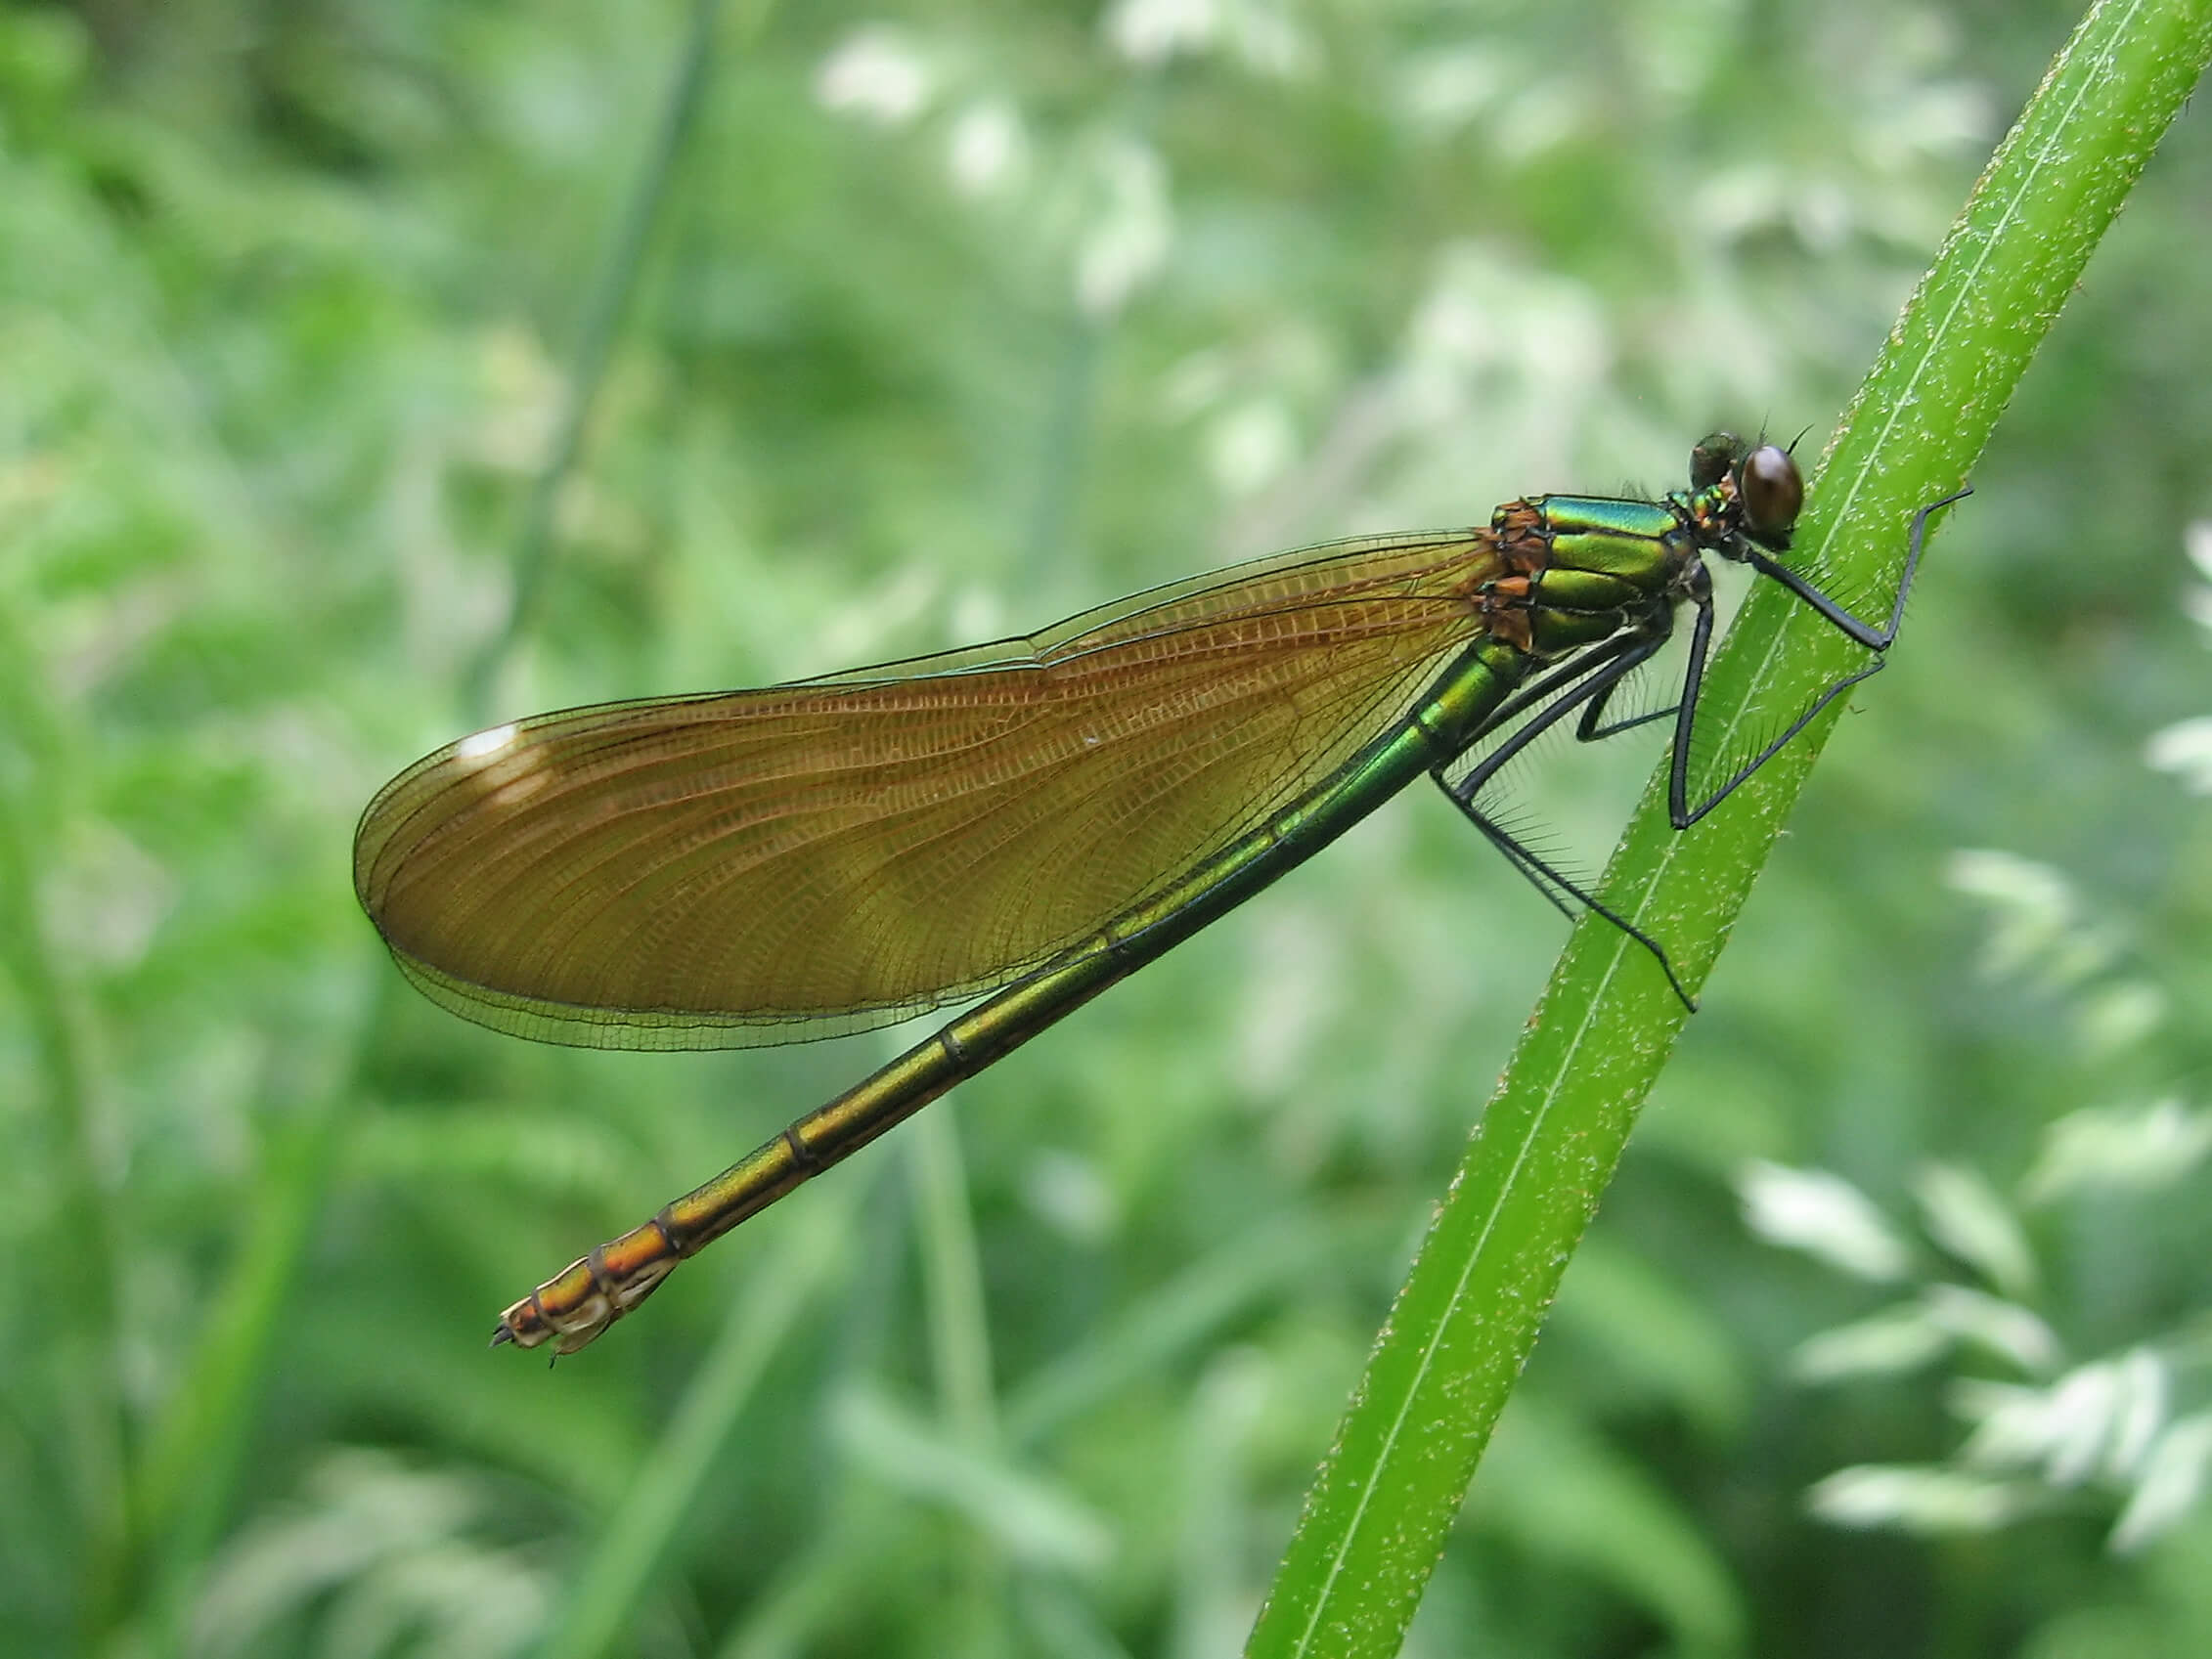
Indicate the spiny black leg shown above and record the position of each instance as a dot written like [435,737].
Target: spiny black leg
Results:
[1684,820]
[1597,680]
[1531,869]
[1679,812]
[1686,715]
[1587,729]
[1594,727]
[1545,687]
[1864,633]
[1598,674]
[1552,882]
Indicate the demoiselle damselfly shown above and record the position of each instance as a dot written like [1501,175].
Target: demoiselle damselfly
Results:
[1037,818]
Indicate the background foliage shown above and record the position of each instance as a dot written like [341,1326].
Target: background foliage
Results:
[952,321]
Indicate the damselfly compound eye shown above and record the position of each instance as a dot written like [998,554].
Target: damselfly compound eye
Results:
[1772,492]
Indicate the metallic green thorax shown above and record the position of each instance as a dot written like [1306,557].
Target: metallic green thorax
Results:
[1610,564]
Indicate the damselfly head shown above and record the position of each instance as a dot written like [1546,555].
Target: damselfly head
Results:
[1767,488]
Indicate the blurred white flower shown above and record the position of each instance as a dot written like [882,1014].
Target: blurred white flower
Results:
[1994,1323]
[2196,543]
[1891,1343]
[1251,444]
[2173,1482]
[1919,1500]
[2120,1147]
[2098,1421]
[1964,1215]
[987,149]
[1126,245]
[1823,1215]
[2040,928]
[2184,749]
[875,73]
[1257,35]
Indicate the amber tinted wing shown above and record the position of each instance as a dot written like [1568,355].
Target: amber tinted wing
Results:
[767,866]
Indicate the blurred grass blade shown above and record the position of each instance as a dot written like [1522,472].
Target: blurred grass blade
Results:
[613,282]
[614,1580]
[1466,1318]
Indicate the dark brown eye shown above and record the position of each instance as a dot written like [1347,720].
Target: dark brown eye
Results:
[1772,492]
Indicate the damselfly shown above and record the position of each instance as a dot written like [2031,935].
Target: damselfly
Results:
[1037,818]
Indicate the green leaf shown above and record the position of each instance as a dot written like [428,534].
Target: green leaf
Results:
[1468,1314]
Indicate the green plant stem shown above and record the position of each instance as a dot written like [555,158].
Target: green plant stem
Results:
[1468,1314]
[612,284]
[90,1446]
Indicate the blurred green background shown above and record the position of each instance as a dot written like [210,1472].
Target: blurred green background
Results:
[950,320]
